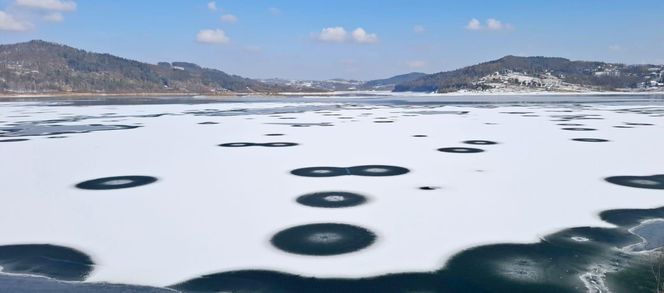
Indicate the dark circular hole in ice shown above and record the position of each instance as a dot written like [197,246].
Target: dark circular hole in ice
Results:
[320,172]
[117,182]
[461,150]
[570,124]
[377,170]
[237,144]
[420,135]
[429,188]
[648,182]
[579,129]
[14,140]
[279,144]
[331,199]
[590,139]
[638,124]
[323,239]
[480,142]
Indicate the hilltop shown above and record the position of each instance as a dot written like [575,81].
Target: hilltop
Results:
[44,67]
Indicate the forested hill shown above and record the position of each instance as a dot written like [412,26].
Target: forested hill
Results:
[43,67]
[514,72]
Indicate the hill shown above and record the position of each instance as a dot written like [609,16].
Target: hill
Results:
[538,73]
[43,67]
[390,83]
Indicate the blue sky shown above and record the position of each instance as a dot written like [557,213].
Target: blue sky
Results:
[319,39]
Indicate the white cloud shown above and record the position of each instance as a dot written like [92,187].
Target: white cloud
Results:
[212,6]
[474,24]
[9,23]
[333,35]
[362,37]
[492,24]
[274,11]
[418,29]
[229,18]
[339,34]
[212,36]
[56,5]
[54,17]
[416,64]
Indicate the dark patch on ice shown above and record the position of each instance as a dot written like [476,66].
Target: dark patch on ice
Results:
[57,262]
[366,170]
[117,182]
[570,124]
[579,129]
[323,124]
[460,150]
[274,134]
[622,126]
[420,135]
[14,140]
[480,142]
[250,144]
[320,172]
[517,113]
[590,139]
[333,199]
[428,188]
[208,123]
[377,170]
[323,239]
[638,124]
[49,130]
[647,182]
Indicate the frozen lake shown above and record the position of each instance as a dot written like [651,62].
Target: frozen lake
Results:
[392,194]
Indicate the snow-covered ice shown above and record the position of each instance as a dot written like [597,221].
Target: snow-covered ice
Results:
[215,209]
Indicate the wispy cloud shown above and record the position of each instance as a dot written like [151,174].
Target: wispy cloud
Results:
[54,17]
[9,23]
[418,29]
[491,24]
[340,35]
[474,25]
[212,6]
[229,18]
[56,5]
[212,36]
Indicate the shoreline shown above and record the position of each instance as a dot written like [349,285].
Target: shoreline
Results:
[325,94]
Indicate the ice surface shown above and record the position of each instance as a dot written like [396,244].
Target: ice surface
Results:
[215,209]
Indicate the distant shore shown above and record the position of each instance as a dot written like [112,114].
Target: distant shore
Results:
[325,94]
